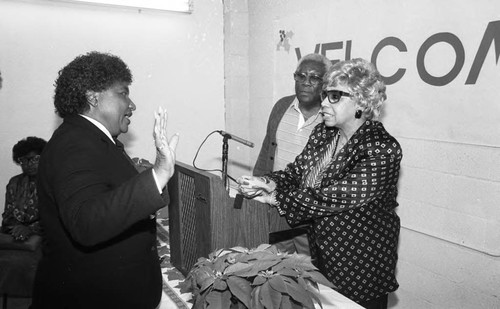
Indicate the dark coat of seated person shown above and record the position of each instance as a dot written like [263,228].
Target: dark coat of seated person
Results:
[20,220]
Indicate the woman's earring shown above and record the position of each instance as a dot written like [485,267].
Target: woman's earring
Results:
[358,114]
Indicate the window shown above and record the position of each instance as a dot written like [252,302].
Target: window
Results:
[185,6]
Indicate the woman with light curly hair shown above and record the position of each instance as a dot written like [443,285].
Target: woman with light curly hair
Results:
[345,184]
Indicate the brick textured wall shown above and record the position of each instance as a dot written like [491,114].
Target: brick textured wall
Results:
[449,190]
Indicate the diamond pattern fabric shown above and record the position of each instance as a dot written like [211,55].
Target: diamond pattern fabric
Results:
[355,229]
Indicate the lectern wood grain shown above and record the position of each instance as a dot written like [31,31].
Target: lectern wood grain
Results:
[202,217]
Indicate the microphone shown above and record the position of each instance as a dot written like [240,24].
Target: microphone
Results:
[236,138]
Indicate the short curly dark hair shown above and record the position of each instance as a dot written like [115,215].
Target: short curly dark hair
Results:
[93,71]
[27,145]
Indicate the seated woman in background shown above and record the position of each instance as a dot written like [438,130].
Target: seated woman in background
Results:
[345,183]
[20,217]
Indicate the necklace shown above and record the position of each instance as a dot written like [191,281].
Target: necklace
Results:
[337,139]
[338,146]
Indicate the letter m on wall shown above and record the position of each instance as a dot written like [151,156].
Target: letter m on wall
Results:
[491,34]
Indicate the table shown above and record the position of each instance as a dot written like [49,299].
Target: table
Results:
[18,262]
[331,299]
[173,298]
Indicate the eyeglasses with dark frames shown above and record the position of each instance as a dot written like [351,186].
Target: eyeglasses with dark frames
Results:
[29,161]
[313,78]
[334,95]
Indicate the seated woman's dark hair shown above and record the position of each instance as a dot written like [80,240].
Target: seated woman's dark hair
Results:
[27,145]
[93,71]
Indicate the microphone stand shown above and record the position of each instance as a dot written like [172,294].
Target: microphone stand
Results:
[224,162]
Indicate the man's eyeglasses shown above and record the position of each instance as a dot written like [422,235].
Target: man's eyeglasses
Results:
[313,78]
[334,95]
[29,161]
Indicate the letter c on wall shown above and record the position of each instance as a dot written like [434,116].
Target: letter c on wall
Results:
[400,45]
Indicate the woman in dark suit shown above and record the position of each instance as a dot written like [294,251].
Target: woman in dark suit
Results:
[345,183]
[96,209]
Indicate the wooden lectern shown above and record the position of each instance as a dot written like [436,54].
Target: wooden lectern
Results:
[204,218]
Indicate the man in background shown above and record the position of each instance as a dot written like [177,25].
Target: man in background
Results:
[288,128]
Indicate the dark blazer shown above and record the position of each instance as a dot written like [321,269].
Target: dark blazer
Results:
[100,240]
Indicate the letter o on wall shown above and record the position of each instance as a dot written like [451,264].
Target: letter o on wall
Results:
[455,42]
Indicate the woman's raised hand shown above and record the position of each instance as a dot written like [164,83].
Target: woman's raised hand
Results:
[165,148]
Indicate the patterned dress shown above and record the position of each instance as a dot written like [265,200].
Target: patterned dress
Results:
[21,204]
[355,229]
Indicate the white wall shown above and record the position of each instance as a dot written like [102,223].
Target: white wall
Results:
[176,59]
[450,184]
[238,105]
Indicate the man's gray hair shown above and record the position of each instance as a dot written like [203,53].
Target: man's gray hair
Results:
[316,58]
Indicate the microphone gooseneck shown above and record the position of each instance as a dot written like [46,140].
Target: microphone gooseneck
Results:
[236,138]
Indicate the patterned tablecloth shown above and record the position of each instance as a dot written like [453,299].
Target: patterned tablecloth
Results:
[173,298]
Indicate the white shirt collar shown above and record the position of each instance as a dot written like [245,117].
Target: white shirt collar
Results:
[100,126]
[301,121]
